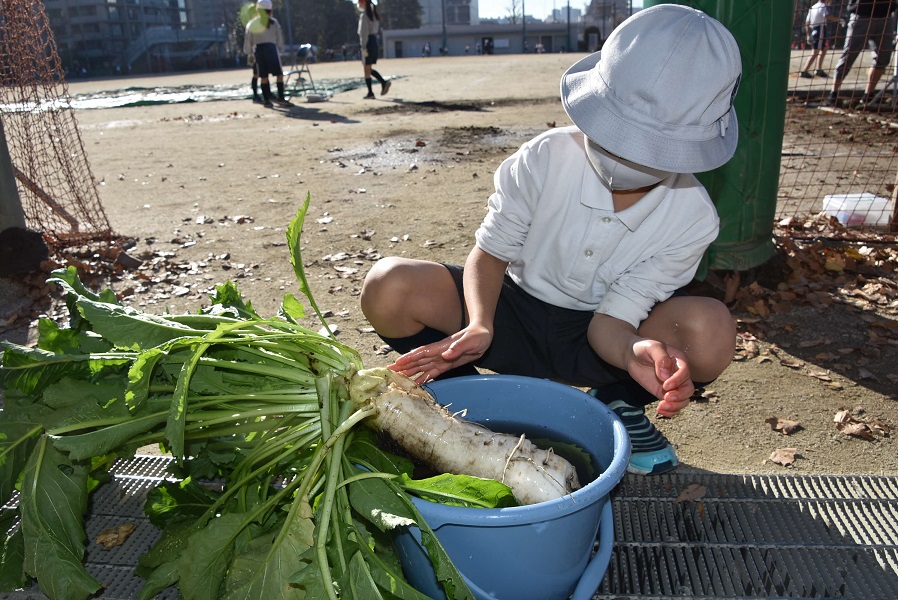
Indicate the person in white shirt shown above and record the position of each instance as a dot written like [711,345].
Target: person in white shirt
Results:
[815,28]
[589,235]
[369,27]
[264,42]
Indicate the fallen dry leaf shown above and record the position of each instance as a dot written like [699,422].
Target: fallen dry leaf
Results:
[792,363]
[709,395]
[857,429]
[785,456]
[115,536]
[784,426]
[692,492]
[821,375]
[881,427]
[843,416]
[750,349]
[852,425]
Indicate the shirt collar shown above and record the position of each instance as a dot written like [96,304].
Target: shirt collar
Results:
[633,216]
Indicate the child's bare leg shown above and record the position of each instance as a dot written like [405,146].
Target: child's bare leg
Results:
[811,60]
[401,296]
[701,327]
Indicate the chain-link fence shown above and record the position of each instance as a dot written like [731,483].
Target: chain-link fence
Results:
[56,187]
[840,151]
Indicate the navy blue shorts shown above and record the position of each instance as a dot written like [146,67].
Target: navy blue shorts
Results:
[268,60]
[372,49]
[539,339]
[818,37]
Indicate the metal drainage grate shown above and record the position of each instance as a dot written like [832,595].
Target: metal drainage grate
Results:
[754,536]
[747,536]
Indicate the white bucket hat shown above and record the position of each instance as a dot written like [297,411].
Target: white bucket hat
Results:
[264,5]
[660,92]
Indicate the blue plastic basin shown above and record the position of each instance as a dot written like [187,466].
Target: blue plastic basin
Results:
[539,552]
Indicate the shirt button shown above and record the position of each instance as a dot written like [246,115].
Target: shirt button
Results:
[606,219]
[588,253]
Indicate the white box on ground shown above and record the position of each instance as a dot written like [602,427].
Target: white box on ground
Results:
[859,209]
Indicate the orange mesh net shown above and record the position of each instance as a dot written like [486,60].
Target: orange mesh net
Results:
[56,187]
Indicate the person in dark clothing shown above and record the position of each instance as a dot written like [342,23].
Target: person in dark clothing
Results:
[870,25]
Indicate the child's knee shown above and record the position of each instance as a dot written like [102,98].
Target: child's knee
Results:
[717,339]
[388,286]
[379,284]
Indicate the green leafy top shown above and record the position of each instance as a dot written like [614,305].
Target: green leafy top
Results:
[261,404]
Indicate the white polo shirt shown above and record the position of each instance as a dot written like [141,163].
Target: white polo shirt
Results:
[817,15]
[553,220]
[259,33]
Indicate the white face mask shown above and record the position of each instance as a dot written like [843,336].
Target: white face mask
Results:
[618,173]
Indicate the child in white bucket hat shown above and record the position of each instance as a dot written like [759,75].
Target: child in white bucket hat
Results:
[590,233]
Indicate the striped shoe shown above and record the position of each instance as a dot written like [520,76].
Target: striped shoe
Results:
[650,452]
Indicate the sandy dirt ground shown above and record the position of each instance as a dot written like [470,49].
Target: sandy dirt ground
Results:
[206,191]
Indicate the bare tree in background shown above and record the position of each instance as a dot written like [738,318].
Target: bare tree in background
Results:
[514,10]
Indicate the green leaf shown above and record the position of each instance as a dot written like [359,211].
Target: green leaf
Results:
[227,296]
[12,554]
[168,547]
[17,440]
[380,503]
[445,570]
[294,242]
[365,450]
[308,577]
[69,277]
[30,370]
[105,395]
[160,579]
[140,376]
[52,504]
[109,438]
[264,569]
[292,309]
[460,490]
[55,339]
[294,235]
[177,414]
[125,327]
[361,581]
[203,565]
[383,564]
[171,501]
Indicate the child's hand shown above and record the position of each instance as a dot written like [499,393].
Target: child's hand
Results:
[430,361]
[662,370]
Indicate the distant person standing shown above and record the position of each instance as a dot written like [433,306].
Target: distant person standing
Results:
[815,27]
[264,39]
[870,25]
[369,27]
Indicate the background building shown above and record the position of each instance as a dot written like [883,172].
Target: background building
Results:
[458,12]
[103,37]
[109,37]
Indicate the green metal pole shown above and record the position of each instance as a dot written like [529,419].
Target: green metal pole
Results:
[745,189]
[11,214]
